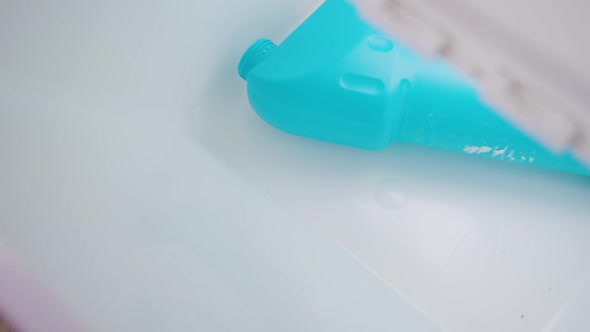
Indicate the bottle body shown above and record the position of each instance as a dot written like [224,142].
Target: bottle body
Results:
[338,79]
[443,110]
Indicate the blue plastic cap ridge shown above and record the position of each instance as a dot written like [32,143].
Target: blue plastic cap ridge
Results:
[254,55]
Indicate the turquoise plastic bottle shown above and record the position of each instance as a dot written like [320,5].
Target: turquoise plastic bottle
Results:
[336,78]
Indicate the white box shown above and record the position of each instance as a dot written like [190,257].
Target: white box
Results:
[139,192]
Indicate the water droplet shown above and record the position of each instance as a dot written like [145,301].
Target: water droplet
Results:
[391,194]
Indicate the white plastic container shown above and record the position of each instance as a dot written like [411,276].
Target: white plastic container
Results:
[139,192]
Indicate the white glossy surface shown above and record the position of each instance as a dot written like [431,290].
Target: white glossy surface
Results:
[139,184]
